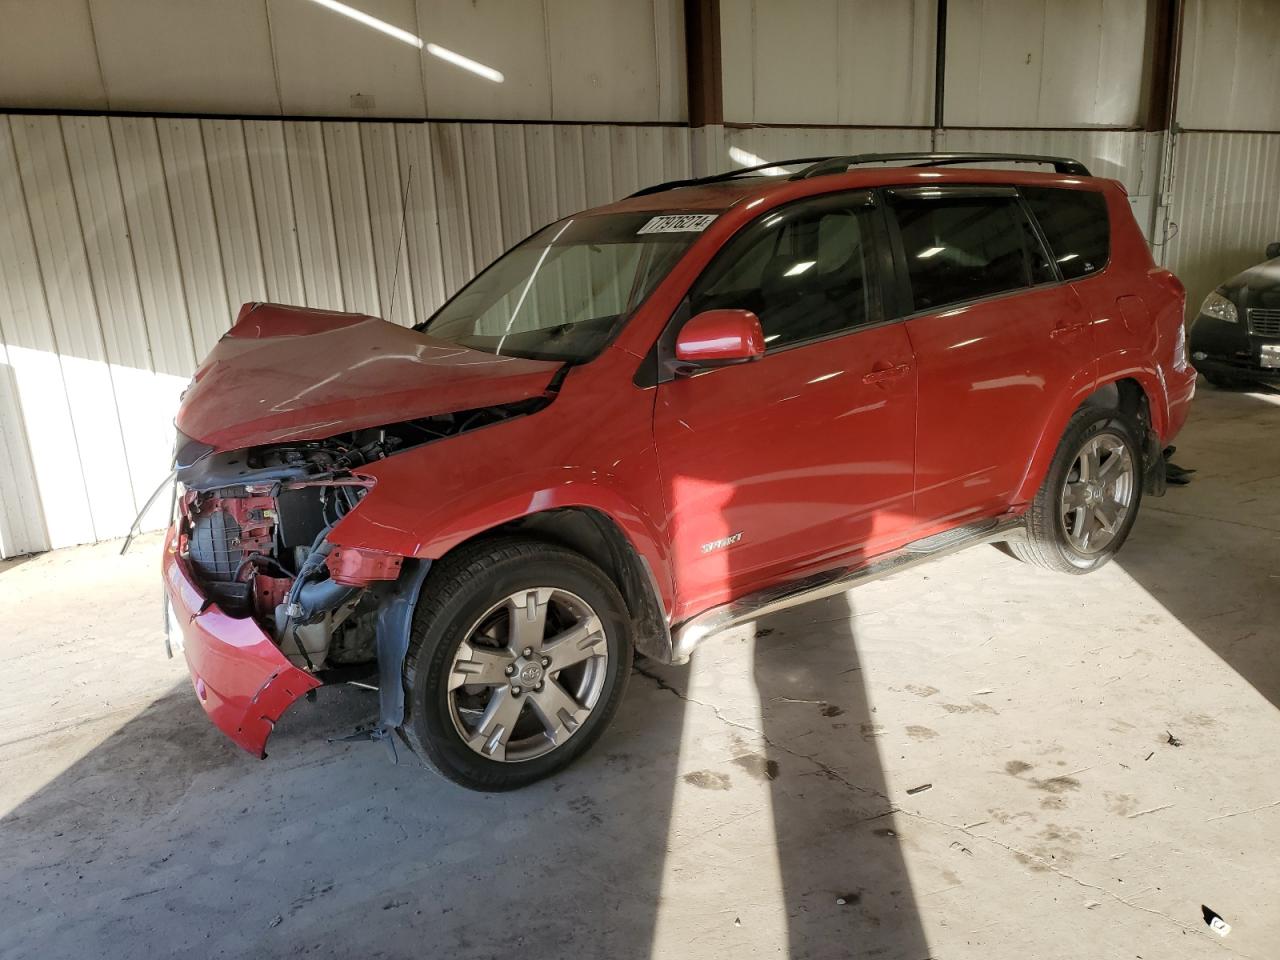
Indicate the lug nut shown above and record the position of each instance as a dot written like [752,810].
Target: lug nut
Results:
[546,661]
[528,651]
[515,691]
[511,668]
[538,687]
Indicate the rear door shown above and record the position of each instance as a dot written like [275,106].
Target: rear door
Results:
[997,335]
[800,458]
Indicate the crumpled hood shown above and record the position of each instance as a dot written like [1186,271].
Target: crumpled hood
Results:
[290,373]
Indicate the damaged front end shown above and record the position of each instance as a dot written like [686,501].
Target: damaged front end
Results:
[266,606]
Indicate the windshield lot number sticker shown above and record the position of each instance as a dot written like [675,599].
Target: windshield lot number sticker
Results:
[679,223]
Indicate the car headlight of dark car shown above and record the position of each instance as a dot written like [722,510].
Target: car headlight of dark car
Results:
[1219,307]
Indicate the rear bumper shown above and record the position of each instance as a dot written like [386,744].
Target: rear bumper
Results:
[241,678]
[1181,389]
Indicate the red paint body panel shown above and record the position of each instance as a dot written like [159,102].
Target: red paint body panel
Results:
[241,678]
[286,373]
[546,460]
[721,335]
[807,454]
[1001,364]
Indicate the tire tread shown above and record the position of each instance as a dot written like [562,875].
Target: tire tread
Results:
[1042,546]
[456,572]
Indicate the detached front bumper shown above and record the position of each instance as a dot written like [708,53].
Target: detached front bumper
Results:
[243,681]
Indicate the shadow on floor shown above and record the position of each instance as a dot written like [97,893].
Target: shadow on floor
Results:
[1209,552]
[164,839]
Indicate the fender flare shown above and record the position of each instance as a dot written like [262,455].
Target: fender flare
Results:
[1152,384]
[408,530]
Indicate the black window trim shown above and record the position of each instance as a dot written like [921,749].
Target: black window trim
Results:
[905,295]
[659,365]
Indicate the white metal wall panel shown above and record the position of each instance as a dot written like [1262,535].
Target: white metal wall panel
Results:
[317,243]
[1230,69]
[330,65]
[273,207]
[604,60]
[21,519]
[510,37]
[596,60]
[449,167]
[385,182]
[739,146]
[149,220]
[422,225]
[181,55]
[514,209]
[64,270]
[47,56]
[186,178]
[543,175]
[142,400]
[385,187]
[227,162]
[860,62]
[1045,62]
[1226,207]
[1131,157]
[351,225]
[483,190]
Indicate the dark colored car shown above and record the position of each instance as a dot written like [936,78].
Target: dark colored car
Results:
[1236,336]
[657,419]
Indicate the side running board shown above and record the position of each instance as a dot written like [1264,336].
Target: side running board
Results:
[686,636]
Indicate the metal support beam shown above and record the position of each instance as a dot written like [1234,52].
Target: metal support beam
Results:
[702,62]
[940,68]
[1165,51]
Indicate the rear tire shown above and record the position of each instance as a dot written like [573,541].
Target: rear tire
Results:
[488,703]
[1084,510]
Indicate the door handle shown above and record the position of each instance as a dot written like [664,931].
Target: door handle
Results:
[884,373]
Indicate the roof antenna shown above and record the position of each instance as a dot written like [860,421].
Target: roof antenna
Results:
[404,212]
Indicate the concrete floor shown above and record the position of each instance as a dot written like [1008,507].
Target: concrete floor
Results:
[765,802]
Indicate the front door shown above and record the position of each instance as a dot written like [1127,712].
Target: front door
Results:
[803,458]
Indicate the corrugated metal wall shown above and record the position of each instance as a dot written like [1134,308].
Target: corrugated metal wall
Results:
[127,244]
[1225,207]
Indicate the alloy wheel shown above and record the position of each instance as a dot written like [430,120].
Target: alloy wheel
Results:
[528,674]
[1098,493]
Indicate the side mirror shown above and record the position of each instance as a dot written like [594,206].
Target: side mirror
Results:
[1273,249]
[720,337]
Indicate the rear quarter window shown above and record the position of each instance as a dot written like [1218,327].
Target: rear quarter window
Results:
[1075,224]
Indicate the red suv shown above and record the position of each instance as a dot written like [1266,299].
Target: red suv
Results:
[656,419]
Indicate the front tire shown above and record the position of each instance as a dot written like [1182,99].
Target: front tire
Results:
[1089,501]
[519,655]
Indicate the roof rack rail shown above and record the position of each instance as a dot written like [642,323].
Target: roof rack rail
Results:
[728,175]
[821,166]
[829,165]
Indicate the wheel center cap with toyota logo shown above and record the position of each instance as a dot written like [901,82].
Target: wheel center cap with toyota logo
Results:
[531,674]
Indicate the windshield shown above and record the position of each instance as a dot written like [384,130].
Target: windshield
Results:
[564,292]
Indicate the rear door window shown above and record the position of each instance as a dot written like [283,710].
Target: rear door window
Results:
[807,271]
[959,248]
[1076,226]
